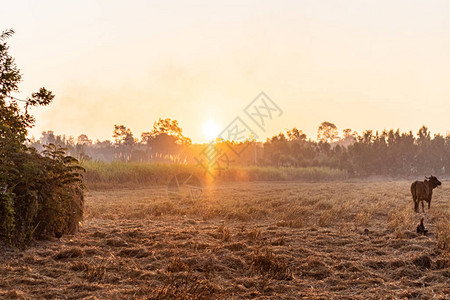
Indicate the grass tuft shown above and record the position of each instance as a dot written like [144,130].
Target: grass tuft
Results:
[266,263]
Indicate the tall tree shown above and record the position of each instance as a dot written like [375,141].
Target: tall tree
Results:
[123,135]
[83,139]
[295,135]
[327,132]
[171,128]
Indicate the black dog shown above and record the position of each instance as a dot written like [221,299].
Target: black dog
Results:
[421,228]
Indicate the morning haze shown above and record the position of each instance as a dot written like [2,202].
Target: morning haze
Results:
[363,65]
[225,149]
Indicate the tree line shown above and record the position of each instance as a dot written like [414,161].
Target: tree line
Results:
[389,152]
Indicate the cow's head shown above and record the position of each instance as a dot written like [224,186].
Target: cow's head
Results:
[434,181]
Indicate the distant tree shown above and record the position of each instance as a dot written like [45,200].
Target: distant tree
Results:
[423,136]
[295,135]
[124,138]
[166,140]
[80,149]
[276,150]
[146,137]
[438,154]
[104,144]
[367,137]
[165,144]
[424,152]
[327,132]
[70,141]
[349,134]
[123,135]
[170,127]
[83,140]
[48,137]
[348,137]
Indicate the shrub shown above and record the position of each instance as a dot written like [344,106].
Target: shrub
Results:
[43,195]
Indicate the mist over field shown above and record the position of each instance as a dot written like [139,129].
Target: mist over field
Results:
[237,150]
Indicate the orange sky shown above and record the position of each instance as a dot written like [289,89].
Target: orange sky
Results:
[360,64]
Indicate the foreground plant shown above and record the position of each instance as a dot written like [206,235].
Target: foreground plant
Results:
[40,193]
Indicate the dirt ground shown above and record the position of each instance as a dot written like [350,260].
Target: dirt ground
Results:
[290,240]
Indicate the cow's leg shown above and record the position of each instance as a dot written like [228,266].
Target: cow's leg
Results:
[429,203]
[416,206]
[423,207]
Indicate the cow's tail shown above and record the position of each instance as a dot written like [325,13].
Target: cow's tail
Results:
[414,195]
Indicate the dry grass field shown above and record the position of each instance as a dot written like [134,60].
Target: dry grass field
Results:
[268,240]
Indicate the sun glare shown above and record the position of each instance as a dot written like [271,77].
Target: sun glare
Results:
[210,130]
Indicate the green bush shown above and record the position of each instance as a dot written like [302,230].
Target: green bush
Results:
[44,195]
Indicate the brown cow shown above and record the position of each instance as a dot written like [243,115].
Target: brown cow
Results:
[423,190]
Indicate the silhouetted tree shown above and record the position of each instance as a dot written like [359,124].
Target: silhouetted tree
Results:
[124,140]
[83,140]
[170,127]
[327,132]
[295,135]
[123,135]
[166,140]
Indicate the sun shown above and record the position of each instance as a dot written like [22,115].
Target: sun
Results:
[210,130]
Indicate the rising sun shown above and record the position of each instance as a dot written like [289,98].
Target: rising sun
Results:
[210,130]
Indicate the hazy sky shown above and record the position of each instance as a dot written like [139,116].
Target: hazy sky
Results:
[360,64]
